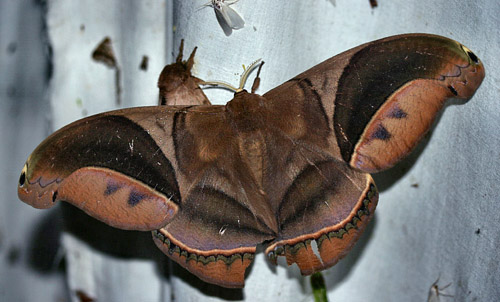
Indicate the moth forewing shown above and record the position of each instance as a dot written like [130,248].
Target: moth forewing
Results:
[227,17]
[231,17]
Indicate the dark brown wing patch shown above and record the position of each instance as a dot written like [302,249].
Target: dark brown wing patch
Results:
[382,113]
[328,204]
[82,151]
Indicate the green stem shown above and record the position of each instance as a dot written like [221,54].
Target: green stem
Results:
[318,287]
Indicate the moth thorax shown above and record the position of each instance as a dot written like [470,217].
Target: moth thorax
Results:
[245,110]
[252,149]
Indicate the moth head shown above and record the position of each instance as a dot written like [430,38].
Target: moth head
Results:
[217,4]
[176,74]
[173,76]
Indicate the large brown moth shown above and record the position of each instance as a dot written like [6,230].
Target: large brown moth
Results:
[286,169]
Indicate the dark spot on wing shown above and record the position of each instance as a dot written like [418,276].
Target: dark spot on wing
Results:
[472,56]
[453,90]
[111,188]
[22,179]
[135,197]
[381,133]
[398,113]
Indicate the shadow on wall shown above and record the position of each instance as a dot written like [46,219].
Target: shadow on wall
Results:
[45,253]
[343,268]
[104,238]
[135,245]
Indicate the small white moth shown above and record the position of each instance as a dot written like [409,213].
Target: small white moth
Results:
[227,17]
[435,292]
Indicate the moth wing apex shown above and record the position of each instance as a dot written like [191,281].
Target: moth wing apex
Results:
[384,109]
[36,195]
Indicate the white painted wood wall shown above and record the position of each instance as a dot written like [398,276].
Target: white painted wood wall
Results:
[445,227]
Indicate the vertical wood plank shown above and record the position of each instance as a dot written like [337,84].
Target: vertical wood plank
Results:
[28,238]
[80,86]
